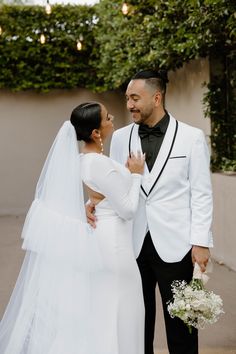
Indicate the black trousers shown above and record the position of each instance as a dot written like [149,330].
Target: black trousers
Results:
[155,271]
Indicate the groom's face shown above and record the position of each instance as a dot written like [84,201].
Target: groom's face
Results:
[141,101]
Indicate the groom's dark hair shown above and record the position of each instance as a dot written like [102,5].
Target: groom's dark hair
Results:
[157,79]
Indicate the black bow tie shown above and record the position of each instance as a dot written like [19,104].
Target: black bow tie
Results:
[145,131]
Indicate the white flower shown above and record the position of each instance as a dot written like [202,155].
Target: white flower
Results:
[181,304]
[194,305]
[188,291]
[187,307]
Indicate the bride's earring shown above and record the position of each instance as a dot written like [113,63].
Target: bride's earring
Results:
[101,145]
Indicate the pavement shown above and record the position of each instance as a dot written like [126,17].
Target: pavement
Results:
[219,338]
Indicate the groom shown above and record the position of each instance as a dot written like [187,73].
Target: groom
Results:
[172,224]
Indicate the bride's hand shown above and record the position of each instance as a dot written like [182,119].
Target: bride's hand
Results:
[135,163]
[91,218]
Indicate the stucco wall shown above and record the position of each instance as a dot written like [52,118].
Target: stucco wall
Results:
[224,193]
[28,125]
[185,94]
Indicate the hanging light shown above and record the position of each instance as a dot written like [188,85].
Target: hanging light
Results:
[0,30]
[79,45]
[48,8]
[79,42]
[125,8]
[42,38]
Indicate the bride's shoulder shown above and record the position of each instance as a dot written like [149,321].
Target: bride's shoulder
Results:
[97,160]
[93,156]
[100,161]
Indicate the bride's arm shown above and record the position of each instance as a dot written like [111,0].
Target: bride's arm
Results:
[121,192]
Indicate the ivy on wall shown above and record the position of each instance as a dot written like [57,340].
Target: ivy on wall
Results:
[220,106]
[25,63]
[154,33]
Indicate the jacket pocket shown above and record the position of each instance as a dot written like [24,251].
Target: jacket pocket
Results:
[178,157]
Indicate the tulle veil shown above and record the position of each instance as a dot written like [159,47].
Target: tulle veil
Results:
[49,310]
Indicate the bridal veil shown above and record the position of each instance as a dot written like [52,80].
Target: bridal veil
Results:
[50,304]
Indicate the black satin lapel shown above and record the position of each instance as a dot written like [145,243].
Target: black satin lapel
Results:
[130,139]
[164,165]
[144,191]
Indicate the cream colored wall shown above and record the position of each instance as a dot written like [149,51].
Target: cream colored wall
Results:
[224,193]
[28,125]
[185,93]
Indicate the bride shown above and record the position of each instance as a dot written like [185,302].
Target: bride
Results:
[79,290]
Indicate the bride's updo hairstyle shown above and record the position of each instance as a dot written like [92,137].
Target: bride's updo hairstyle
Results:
[85,118]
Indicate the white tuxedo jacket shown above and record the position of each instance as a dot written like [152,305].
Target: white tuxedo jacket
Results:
[175,198]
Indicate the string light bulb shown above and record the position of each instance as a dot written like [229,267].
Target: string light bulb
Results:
[79,45]
[0,30]
[79,42]
[48,8]
[125,8]
[42,38]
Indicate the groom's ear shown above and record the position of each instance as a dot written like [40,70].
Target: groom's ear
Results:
[158,98]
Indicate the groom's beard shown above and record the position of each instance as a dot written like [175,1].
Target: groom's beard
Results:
[141,117]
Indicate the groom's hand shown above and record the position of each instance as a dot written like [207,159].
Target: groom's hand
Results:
[91,218]
[200,255]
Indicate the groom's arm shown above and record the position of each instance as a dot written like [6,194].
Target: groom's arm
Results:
[201,201]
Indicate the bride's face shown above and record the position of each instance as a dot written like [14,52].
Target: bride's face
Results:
[106,127]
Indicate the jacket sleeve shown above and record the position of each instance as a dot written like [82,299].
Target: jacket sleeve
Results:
[201,193]
[122,191]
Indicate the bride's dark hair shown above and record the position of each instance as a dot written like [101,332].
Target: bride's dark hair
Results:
[85,118]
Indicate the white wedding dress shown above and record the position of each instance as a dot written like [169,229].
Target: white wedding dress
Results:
[79,290]
[118,323]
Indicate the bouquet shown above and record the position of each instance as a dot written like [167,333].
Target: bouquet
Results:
[193,303]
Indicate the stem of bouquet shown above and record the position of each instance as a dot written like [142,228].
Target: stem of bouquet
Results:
[190,328]
[199,275]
